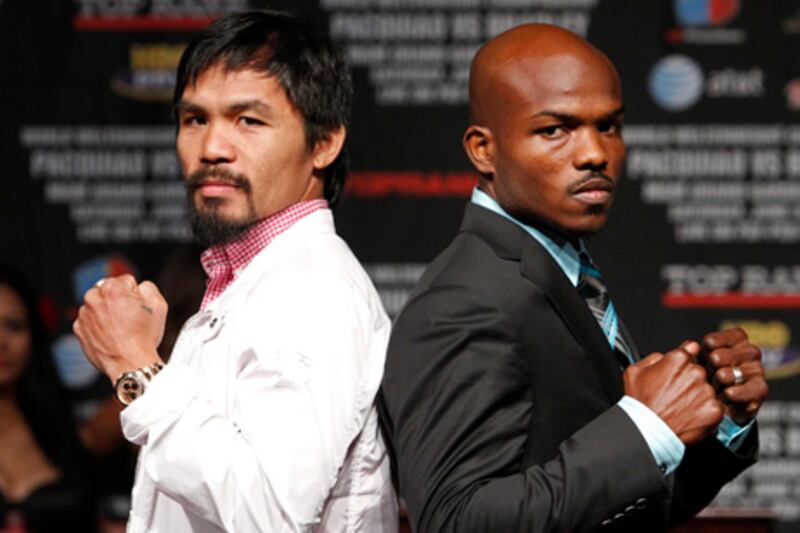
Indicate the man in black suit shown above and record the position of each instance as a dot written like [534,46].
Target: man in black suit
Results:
[513,397]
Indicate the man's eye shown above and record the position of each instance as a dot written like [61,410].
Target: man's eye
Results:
[551,132]
[193,120]
[250,121]
[609,127]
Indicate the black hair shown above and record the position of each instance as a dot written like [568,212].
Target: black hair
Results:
[38,391]
[307,64]
[42,400]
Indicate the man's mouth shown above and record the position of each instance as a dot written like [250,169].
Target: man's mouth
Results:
[594,190]
[216,182]
[214,188]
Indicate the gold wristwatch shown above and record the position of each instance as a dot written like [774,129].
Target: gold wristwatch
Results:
[132,384]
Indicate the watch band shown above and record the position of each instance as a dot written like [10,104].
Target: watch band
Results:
[132,384]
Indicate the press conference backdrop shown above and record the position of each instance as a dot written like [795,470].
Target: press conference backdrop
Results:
[705,231]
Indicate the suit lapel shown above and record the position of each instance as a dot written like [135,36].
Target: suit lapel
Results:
[540,269]
[537,266]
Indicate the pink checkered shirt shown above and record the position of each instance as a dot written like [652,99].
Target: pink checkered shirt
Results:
[223,262]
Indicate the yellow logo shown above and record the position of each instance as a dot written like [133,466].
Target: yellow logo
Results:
[780,359]
[151,74]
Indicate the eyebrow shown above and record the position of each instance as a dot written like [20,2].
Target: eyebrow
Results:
[184,107]
[566,117]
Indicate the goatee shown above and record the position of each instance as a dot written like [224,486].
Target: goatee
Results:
[208,226]
[210,229]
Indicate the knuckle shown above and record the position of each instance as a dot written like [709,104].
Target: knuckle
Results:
[680,356]
[709,339]
[697,372]
[708,391]
[715,411]
[730,394]
[91,296]
[756,352]
[739,332]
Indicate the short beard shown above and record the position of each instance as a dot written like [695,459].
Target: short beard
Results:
[208,226]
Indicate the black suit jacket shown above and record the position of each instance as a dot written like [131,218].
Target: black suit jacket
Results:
[499,397]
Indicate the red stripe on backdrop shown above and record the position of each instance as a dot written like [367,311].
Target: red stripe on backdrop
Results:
[411,184]
[731,300]
[141,23]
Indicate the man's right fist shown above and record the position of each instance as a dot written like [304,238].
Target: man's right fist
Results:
[676,388]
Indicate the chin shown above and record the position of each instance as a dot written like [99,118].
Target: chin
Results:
[588,228]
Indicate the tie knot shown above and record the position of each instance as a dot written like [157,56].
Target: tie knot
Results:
[587,267]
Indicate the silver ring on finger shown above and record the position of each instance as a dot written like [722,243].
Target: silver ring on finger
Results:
[738,375]
[99,282]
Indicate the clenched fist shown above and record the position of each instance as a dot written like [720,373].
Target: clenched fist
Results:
[121,324]
[676,388]
[737,373]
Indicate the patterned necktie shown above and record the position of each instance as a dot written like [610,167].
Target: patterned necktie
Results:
[591,287]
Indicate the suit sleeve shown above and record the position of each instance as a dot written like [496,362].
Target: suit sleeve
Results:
[456,405]
[705,468]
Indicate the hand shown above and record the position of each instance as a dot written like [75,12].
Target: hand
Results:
[676,388]
[120,325]
[724,350]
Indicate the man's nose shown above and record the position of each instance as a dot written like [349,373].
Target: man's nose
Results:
[216,147]
[590,152]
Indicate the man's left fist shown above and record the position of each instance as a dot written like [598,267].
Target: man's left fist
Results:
[121,324]
[735,368]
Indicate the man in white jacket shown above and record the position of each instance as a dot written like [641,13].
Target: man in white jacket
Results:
[263,420]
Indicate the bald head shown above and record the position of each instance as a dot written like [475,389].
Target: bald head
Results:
[546,127]
[515,60]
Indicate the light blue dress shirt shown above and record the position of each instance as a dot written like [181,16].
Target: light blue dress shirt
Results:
[666,447]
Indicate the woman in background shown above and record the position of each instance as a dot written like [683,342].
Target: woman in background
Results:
[42,483]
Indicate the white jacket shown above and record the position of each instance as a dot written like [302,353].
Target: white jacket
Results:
[263,420]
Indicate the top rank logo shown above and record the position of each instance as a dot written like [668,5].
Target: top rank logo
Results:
[704,22]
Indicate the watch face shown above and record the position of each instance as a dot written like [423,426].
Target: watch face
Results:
[129,387]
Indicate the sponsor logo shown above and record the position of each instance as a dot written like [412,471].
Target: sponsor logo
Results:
[151,73]
[779,357]
[705,12]
[704,21]
[73,369]
[86,274]
[677,82]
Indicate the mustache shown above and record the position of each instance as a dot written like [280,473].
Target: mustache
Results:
[593,180]
[220,174]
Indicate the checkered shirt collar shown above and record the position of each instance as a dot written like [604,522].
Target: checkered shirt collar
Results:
[223,262]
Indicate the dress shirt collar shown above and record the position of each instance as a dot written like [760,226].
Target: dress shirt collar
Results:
[223,262]
[561,250]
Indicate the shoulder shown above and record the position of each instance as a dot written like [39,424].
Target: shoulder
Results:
[469,275]
[315,275]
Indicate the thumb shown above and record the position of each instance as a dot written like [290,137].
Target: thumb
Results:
[691,347]
[152,297]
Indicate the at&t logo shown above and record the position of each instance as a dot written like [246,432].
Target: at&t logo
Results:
[677,82]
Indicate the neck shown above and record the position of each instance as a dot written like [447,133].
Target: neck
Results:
[8,397]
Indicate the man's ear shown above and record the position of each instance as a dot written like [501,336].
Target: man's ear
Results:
[479,144]
[328,147]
